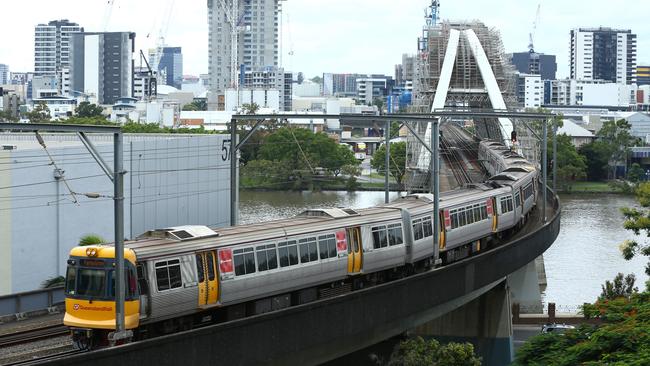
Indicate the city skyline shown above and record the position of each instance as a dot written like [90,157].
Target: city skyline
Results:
[331,36]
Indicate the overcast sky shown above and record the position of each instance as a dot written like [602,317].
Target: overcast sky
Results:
[362,36]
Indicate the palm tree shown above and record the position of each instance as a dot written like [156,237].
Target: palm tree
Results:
[91,239]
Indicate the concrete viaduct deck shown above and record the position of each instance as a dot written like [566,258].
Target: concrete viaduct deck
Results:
[324,330]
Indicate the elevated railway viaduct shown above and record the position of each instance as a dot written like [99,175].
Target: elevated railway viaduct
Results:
[324,330]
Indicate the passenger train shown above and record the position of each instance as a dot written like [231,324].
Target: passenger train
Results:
[182,277]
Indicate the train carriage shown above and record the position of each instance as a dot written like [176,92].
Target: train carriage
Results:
[181,276]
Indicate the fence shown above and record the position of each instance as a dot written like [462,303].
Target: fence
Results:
[552,313]
[31,301]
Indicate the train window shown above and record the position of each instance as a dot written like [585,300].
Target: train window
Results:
[379,237]
[308,250]
[244,259]
[418,232]
[327,244]
[199,267]
[462,218]
[477,213]
[70,278]
[427,226]
[288,253]
[168,274]
[267,257]
[142,278]
[91,282]
[454,219]
[210,266]
[395,236]
[517,200]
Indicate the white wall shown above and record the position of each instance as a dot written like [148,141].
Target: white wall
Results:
[91,65]
[170,180]
[609,94]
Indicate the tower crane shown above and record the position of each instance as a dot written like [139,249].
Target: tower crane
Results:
[236,21]
[107,14]
[531,35]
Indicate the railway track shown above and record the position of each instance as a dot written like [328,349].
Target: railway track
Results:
[32,335]
[451,143]
[51,357]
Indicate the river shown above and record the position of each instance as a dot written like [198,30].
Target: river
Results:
[585,254]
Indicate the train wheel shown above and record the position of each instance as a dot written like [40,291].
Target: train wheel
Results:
[81,342]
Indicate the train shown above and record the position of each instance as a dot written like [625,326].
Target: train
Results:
[184,277]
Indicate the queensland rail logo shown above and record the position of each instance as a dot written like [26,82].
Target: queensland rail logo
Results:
[92,308]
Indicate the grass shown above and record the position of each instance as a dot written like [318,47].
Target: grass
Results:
[590,187]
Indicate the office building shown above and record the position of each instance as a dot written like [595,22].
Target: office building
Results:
[534,63]
[643,75]
[168,62]
[101,65]
[603,54]
[374,87]
[52,46]
[596,93]
[530,91]
[4,74]
[257,42]
[340,85]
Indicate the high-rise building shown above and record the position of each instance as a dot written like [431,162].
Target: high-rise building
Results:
[4,74]
[340,85]
[603,54]
[52,46]
[257,40]
[534,63]
[530,90]
[168,62]
[101,65]
[643,75]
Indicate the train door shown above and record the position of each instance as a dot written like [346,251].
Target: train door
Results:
[354,249]
[207,276]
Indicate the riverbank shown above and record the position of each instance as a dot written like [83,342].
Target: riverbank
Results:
[592,187]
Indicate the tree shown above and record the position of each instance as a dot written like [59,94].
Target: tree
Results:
[397,161]
[317,79]
[636,173]
[620,287]
[638,222]
[7,116]
[301,78]
[87,109]
[418,352]
[196,105]
[617,136]
[571,166]
[303,153]
[56,281]
[597,155]
[40,114]
[91,239]
[379,103]
[250,108]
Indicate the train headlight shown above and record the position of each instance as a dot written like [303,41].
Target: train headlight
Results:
[91,252]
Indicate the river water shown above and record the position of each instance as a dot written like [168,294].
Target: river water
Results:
[584,255]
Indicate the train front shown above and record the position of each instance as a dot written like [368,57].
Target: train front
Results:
[90,294]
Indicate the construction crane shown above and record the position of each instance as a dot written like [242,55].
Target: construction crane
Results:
[107,14]
[531,35]
[160,41]
[231,11]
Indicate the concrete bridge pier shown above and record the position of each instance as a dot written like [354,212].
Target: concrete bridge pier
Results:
[525,288]
[486,322]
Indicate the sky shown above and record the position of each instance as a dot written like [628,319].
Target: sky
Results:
[341,36]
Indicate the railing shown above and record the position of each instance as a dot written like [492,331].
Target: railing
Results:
[31,301]
[552,313]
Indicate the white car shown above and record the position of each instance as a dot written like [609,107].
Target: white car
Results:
[556,328]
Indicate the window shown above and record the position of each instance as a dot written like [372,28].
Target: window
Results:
[506,204]
[288,253]
[379,237]
[267,257]
[70,278]
[308,250]
[199,268]
[141,272]
[327,246]
[427,226]
[168,274]
[210,266]
[244,261]
[395,236]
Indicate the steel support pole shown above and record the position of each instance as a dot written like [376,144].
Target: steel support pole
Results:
[233,172]
[118,199]
[387,142]
[554,155]
[435,128]
[544,166]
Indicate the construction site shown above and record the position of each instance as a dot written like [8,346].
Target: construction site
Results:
[461,65]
